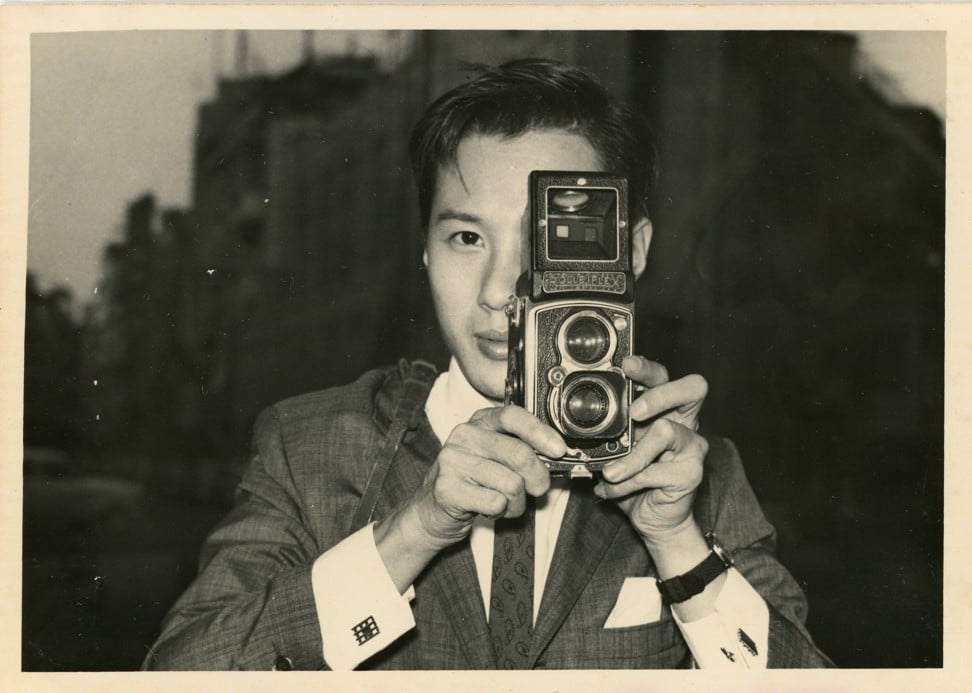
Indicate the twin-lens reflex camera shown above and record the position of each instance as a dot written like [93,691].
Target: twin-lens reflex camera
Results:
[571,321]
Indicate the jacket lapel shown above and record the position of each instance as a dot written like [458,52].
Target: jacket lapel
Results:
[453,575]
[589,527]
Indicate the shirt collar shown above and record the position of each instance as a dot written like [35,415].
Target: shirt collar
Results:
[452,401]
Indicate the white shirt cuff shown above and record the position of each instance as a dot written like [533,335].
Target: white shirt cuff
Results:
[358,606]
[736,634]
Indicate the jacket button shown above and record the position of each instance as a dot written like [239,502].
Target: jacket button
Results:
[283,664]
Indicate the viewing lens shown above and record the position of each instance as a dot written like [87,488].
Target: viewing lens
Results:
[587,340]
[587,404]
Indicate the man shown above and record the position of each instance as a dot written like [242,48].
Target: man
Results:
[476,557]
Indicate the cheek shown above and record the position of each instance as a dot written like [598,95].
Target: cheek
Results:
[453,285]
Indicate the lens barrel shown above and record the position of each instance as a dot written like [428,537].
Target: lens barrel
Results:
[587,340]
[589,405]
[586,404]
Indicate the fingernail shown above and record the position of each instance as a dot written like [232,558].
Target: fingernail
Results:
[629,362]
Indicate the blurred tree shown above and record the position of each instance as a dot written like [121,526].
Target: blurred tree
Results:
[52,339]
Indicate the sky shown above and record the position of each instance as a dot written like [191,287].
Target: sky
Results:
[113,116]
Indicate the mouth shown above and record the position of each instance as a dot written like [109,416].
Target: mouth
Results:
[492,344]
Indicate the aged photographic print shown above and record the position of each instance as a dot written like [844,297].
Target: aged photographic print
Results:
[484,349]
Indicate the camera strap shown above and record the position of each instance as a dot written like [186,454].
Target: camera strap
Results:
[417,379]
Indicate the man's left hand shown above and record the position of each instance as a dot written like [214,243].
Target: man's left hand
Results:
[656,483]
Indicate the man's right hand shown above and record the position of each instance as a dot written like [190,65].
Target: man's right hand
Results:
[487,467]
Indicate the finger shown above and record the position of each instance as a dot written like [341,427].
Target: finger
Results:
[680,396]
[518,422]
[493,475]
[485,501]
[644,372]
[662,435]
[677,476]
[505,450]
[472,484]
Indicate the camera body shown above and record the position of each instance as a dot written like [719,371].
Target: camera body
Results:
[571,322]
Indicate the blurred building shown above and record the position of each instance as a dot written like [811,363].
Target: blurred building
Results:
[298,265]
[798,263]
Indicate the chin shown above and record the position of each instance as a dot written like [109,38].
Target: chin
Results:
[489,379]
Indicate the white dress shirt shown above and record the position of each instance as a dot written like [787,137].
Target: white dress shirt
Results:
[371,614]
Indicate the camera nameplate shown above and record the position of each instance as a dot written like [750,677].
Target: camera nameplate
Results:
[562,281]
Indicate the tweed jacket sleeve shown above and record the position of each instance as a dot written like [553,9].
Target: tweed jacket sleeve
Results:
[252,602]
[727,504]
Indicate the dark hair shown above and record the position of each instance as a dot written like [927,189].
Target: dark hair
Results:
[531,94]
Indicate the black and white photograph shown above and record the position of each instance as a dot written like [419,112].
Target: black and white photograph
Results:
[483,348]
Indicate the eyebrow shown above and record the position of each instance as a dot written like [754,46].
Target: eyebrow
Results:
[451,214]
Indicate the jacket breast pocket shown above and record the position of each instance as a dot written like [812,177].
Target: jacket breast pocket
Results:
[657,645]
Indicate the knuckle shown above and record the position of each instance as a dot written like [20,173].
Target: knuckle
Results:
[700,386]
[495,504]
[447,458]
[477,417]
[664,428]
[662,372]
[523,455]
[508,415]
[444,490]
[461,433]
[611,473]
[694,476]
[512,485]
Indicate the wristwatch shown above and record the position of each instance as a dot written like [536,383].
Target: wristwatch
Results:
[685,586]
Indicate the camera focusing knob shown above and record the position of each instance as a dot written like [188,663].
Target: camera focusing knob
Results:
[556,375]
[512,310]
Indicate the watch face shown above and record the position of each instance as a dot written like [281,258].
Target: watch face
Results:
[719,550]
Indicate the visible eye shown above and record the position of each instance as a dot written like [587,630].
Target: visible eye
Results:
[467,239]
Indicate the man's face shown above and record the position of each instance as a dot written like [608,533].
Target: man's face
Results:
[476,237]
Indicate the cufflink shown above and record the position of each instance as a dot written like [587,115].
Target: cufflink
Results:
[747,642]
[366,630]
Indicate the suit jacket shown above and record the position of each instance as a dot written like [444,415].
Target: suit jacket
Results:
[252,603]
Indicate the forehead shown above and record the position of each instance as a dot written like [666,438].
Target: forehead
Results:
[498,167]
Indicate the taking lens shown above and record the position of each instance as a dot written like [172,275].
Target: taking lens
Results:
[587,404]
[587,340]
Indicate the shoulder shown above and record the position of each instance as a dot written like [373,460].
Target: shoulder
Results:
[356,412]
[723,460]
[309,416]
[726,500]
[355,397]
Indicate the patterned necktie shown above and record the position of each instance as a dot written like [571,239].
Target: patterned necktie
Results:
[511,594]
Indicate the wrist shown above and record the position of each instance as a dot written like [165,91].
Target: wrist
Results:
[693,594]
[404,547]
[677,550]
[405,528]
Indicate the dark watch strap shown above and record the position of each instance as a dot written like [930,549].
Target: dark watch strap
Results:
[685,586]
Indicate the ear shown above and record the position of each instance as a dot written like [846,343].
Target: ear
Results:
[640,242]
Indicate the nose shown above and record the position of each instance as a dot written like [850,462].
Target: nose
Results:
[499,281]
